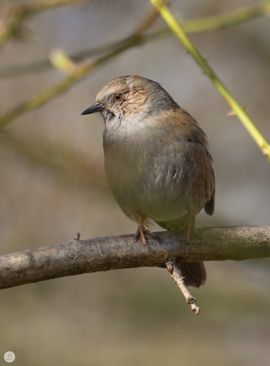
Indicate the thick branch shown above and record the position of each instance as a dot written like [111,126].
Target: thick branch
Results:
[102,254]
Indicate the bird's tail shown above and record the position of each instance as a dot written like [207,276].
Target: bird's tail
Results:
[194,273]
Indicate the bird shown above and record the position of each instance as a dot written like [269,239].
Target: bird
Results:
[156,159]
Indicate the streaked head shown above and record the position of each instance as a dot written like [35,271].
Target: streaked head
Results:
[129,95]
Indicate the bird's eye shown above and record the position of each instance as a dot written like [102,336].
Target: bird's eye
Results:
[118,97]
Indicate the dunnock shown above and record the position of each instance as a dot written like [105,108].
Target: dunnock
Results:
[156,160]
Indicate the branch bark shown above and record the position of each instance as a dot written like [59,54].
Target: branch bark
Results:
[103,254]
[179,279]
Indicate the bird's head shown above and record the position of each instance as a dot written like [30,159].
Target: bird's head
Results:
[129,96]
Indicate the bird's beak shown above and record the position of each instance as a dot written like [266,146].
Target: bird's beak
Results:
[97,107]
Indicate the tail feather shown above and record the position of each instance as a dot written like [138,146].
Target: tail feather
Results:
[194,273]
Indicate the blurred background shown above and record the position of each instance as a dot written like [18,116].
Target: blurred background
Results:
[53,185]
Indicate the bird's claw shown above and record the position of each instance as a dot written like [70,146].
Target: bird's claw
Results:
[141,234]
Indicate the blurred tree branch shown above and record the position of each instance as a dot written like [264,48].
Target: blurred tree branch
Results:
[220,21]
[102,254]
[79,72]
[14,16]
[60,87]
[64,161]
[178,29]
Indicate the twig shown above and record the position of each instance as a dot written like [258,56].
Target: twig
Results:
[16,15]
[228,19]
[50,93]
[178,30]
[103,254]
[78,74]
[216,22]
[63,161]
[149,20]
[178,278]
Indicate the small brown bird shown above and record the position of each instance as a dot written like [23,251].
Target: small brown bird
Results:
[156,160]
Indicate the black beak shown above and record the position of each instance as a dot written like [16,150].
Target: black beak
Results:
[97,107]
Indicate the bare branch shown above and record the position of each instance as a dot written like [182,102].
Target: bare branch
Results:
[63,161]
[63,85]
[199,25]
[103,254]
[14,17]
[80,72]
[135,39]
[149,20]
[179,279]
[178,29]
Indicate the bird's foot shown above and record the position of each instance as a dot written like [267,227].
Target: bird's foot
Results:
[141,234]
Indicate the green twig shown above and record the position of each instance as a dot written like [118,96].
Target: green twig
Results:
[205,24]
[228,19]
[50,93]
[78,74]
[43,65]
[64,160]
[16,15]
[178,30]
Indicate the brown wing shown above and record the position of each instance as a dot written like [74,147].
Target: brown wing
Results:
[200,157]
[210,205]
[193,157]
[202,194]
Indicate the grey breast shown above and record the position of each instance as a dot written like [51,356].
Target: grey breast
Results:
[149,176]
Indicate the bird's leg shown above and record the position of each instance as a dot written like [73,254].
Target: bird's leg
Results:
[142,232]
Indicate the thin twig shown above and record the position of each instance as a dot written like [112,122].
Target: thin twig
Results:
[179,279]
[216,22]
[15,16]
[78,74]
[50,93]
[228,19]
[149,20]
[178,30]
